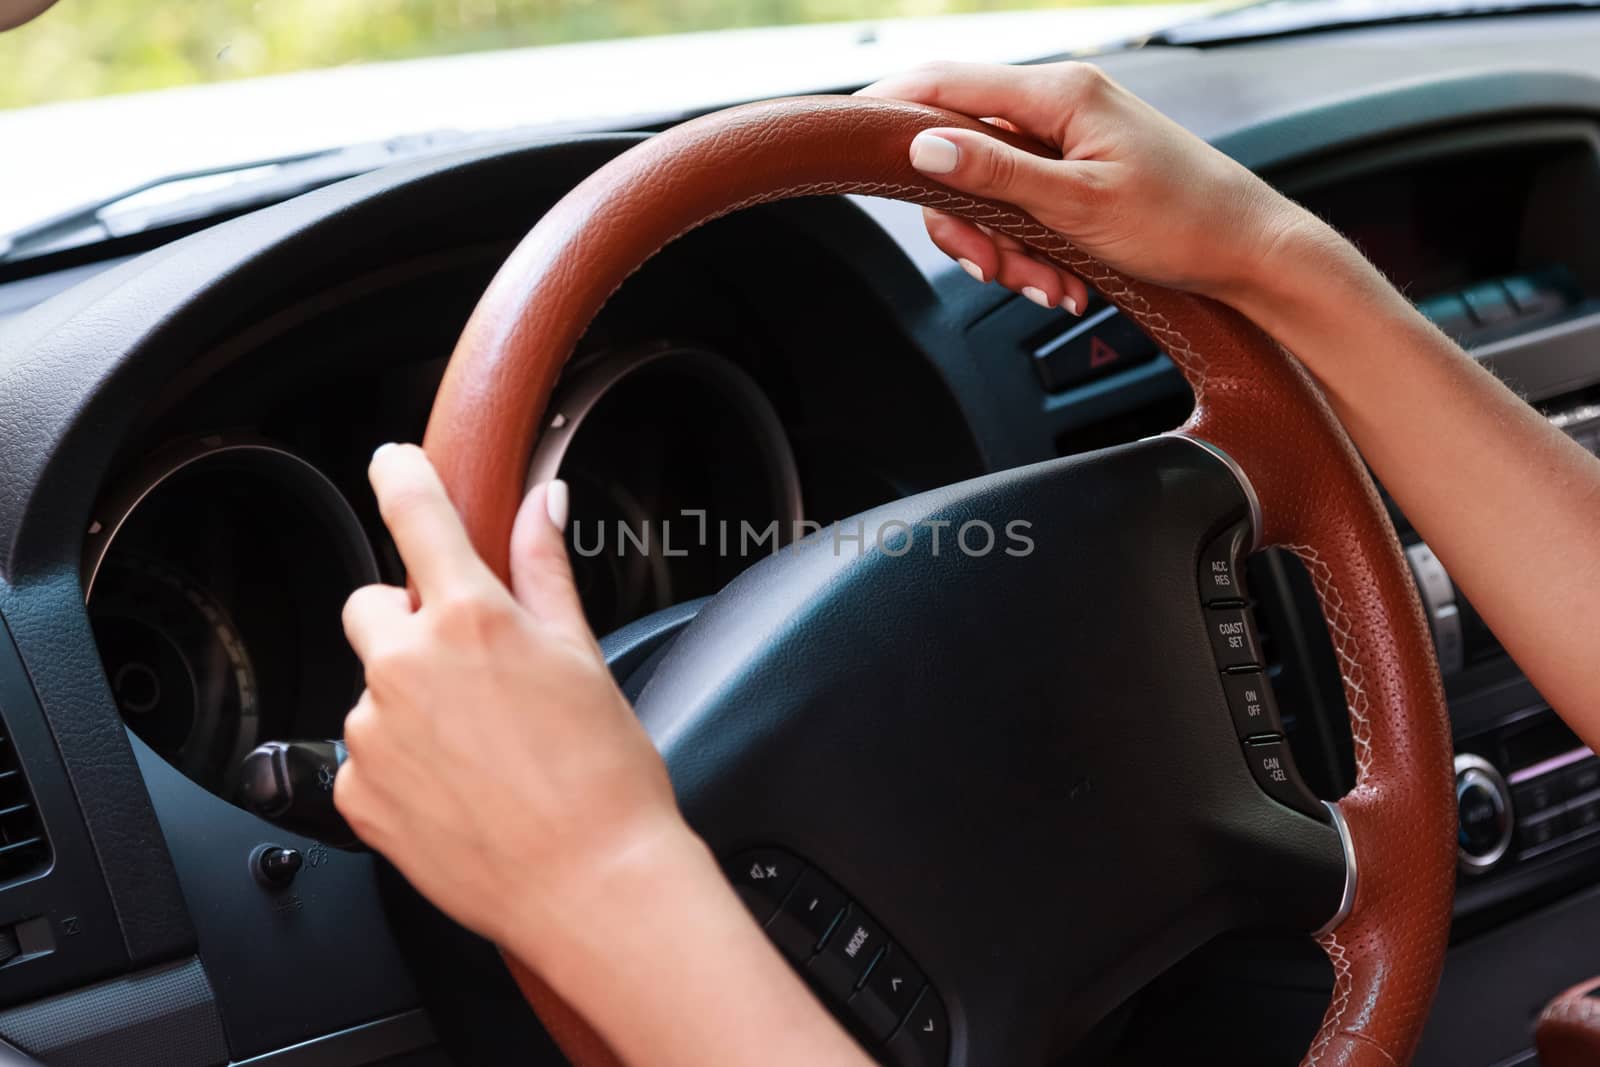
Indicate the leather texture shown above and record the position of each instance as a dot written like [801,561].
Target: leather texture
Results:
[1253,400]
[1568,1031]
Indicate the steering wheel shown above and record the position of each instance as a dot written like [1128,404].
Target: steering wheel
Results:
[1023,763]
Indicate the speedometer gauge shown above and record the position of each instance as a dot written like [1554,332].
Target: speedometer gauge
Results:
[215,580]
[178,667]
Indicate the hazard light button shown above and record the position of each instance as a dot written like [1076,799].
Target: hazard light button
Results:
[1106,342]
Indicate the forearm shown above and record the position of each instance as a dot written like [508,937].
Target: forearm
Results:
[663,960]
[1510,505]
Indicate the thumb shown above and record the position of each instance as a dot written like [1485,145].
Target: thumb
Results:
[986,166]
[541,574]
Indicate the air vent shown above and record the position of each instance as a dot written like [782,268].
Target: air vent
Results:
[24,849]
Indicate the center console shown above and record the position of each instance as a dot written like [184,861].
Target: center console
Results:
[1507,265]
[1527,789]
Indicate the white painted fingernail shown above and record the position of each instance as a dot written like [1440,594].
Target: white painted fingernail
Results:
[1069,304]
[934,155]
[1037,296]
[376,452]
[972,269]
[557,503]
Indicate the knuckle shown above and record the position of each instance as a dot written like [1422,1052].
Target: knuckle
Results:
[1000,171]
[931,73]
[404,497]
[1091,190]
[355,604]
[360,727]
[389,663]
[471,614]
[1080,80]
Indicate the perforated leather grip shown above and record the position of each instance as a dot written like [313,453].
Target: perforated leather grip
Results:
[1254,402]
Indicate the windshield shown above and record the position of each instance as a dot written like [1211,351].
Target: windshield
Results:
[99,97]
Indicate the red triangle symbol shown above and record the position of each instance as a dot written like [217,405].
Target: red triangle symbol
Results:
[1101,353]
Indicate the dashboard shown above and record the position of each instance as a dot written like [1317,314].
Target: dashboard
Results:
[197,485]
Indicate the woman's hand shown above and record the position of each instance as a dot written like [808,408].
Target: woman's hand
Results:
[496,764]
[1133,188]
[492,758]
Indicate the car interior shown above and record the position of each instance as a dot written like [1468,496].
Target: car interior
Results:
[188,409]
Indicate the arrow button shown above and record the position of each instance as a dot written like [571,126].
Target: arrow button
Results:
[888,994]
[924,1039]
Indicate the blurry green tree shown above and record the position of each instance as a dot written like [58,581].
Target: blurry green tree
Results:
[83,48]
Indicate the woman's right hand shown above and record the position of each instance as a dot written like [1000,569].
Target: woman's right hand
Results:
[1133,188]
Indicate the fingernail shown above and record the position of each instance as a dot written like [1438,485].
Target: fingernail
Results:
[972,269]
[1036,295]
[376,452]
[934,155]
[557,503]
[1069,304]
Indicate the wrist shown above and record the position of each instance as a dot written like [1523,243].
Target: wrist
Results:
[1282,247]
[554,921]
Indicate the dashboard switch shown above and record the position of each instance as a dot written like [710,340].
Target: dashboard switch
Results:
[841,965]
[1220,579]
[1255,713]
[1104,342]
[762,877]
[1233,637]
[1489,303]
[806,917]
[1275,772]
[274,866]
[892,987]
[291,783]
[923,1040]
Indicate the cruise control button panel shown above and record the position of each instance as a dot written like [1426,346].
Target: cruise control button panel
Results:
[1231,628]
[868,981]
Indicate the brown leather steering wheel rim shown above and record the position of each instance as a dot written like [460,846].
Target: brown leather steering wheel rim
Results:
[1253,401]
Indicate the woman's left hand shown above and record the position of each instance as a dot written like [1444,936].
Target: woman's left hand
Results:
[492,758]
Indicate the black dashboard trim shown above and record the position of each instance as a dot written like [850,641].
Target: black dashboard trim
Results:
[395,1035]
[163,1017]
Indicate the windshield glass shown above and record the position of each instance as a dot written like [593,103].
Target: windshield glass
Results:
[100,97]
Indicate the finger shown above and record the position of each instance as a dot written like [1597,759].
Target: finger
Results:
[360,726]
[356,800]
[976,163]
[541,573]
[1037,281]
[1037,99]
[373,611]
[963,242]
[433,544]
[980,252]
[1075,292]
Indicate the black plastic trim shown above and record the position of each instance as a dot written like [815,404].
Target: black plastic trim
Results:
[164,1017]
[396,1035]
